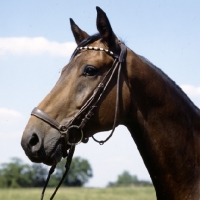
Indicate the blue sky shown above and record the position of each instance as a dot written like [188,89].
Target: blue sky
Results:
[36,42]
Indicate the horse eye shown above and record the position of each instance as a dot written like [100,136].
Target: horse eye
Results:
[90,71]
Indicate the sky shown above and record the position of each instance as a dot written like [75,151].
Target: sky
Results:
[36,43]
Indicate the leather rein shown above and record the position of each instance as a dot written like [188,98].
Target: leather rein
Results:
[87,110]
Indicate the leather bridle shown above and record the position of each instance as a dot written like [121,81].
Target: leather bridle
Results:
[87,110]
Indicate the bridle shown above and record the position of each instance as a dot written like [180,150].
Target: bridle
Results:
[87,110]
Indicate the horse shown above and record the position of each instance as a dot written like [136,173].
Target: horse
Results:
[106,84]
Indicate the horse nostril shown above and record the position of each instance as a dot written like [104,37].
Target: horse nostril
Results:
[34,140]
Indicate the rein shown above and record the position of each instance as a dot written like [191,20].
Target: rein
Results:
[87,108]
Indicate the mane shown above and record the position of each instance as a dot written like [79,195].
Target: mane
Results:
[179,89]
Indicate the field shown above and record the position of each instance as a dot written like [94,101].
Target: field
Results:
[128,193]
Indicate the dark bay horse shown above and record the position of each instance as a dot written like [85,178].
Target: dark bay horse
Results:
[162,120]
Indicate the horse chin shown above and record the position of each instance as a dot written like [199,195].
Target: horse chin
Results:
[53,157]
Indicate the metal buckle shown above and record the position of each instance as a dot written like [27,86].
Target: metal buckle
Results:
[63,130]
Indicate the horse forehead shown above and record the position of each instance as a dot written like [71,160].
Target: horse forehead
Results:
[92,57]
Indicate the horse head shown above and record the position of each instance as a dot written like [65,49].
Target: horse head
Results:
[86,89]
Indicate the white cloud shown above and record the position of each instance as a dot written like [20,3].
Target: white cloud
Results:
[34,46]
[8,115]
[191,90]
[12,124]
[8,112]
[10,134]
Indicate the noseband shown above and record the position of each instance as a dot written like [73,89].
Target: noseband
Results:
[87,110]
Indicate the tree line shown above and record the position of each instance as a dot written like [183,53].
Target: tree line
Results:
[126,179]
[17,174]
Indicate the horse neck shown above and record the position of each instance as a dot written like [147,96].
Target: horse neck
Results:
[165,126]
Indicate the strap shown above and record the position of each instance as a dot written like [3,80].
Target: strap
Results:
[67,167]
[101,142]
[119,63]
[123,52]
[45,117]
[47,180]
[95,98]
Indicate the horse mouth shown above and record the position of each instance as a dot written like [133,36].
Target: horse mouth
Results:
[53,157]
[49,155]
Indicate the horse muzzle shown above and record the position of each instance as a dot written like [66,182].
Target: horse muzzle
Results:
[42,144]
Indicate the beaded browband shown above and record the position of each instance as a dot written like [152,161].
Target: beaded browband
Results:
[98,49]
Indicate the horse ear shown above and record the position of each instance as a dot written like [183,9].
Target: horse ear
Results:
[104,27]
[79,34]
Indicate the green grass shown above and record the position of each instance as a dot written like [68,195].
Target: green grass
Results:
[126,193]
